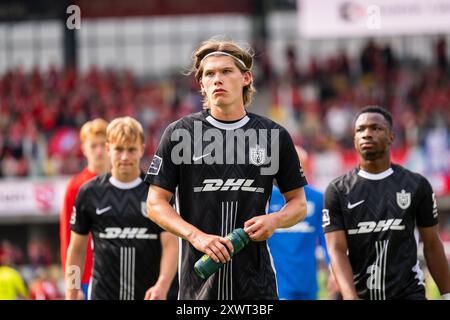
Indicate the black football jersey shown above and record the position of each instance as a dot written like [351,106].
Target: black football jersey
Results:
[218,187]
[127,246]
[379,214]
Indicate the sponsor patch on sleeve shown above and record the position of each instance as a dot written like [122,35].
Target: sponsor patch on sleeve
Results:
[155,165]
[325,217]
[73,217]
[435,210]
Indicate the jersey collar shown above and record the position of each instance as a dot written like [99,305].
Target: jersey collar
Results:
[125,185]
[375,176]
[227,126]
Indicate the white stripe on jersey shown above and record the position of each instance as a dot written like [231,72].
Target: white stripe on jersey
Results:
[224,277]
[233,223]
[227,265]
[384,270]
[220,270]
[225,281]
[376,283]
[121,273]
[376,272]
[133,272]
[127,273]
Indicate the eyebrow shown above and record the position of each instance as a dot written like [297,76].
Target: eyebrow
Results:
[371,125]
[221,68]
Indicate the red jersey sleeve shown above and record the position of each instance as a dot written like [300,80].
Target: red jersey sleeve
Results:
[64,226]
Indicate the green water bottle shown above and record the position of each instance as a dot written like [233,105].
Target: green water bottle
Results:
[205,266]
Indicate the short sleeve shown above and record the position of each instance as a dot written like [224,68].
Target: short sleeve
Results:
[426,214]
[332,218]
[163,172]
[290,174]
[318,209]
[80,220]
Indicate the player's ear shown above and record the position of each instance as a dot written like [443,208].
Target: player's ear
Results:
[247,78]
[108,148]
[391,136]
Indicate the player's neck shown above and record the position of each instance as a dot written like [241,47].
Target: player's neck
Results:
[125,177]
[375,166]
[228,113]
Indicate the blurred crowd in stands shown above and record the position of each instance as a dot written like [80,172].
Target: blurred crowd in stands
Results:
[326,96]
[41,111]
[37,271]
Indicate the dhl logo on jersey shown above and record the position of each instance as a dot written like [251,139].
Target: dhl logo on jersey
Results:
[373,226]
[229,185]
[127,233]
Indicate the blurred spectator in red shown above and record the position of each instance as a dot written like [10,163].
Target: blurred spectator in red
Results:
[368,57]
[39,252]
[263,69]
[440,52]
[13,252]
[15,162]
[92,137]
[43,287]
[35,149]
[292,70]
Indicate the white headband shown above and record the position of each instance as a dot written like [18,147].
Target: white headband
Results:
[222,53]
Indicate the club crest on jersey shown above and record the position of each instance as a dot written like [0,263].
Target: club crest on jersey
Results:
[257,155]
[404,199]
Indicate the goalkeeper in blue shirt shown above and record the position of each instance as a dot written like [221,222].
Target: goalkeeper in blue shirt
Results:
[294,249]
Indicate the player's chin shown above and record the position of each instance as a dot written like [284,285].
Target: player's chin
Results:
[370,154]
[125,169]
[220,102]
[125,166]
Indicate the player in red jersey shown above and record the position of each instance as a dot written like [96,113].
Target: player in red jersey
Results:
[93,140]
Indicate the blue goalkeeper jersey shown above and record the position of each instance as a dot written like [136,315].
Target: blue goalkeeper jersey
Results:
[294,249]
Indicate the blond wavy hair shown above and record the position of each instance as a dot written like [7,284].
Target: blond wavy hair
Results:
[96,127]
[228,46]
[124,129]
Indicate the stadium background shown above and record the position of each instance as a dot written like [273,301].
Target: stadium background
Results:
[127,58]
